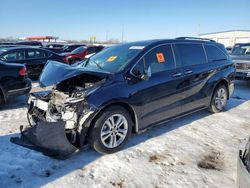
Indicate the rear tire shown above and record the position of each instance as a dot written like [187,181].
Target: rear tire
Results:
[111,130]
[219,99]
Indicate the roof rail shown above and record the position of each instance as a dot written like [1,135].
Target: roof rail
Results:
[194,38]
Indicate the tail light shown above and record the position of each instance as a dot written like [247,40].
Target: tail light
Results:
[23,71]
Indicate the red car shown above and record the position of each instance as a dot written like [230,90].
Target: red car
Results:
[79,53]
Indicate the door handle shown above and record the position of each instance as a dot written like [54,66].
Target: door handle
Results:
[188,72]
[178,74]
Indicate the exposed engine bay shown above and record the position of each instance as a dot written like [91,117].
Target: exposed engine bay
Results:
[58,117]
[66,102]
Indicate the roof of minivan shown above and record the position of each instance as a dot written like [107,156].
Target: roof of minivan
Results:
[162,41]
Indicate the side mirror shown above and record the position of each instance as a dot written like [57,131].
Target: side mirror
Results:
[138,74]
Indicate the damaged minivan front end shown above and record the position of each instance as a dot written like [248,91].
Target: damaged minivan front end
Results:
[57,117]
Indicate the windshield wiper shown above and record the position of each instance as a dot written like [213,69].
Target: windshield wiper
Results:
[98,66]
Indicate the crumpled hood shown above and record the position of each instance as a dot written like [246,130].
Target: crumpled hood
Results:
[241,58]
[55,72]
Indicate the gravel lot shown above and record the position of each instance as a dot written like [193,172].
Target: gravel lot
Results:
[199,150]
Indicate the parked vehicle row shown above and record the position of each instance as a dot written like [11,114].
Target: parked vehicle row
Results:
[54,47]
[123,89]
[34,58]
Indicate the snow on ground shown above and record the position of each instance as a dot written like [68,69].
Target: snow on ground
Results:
[170,155]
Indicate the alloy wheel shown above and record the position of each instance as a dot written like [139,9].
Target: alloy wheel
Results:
[114,131]
[220,99]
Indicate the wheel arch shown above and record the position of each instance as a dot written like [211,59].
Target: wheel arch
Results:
[85,129]
[129,109]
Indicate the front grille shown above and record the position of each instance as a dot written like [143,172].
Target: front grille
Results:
[242,66]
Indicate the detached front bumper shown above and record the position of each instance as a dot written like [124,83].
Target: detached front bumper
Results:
[48,138]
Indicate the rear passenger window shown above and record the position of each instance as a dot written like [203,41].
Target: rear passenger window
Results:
[16,55]
[214,53]
[190,54]
[36,54]
[160,59]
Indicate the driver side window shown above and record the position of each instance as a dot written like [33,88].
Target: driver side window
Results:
[160,59]
[139,68]
[157,60]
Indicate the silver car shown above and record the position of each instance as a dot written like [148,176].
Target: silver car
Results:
[241,58]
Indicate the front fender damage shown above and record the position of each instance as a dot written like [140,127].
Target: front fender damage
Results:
[58,117]
[48,138]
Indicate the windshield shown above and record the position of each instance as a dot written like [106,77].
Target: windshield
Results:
[78,50]
[241,49]
[113,59]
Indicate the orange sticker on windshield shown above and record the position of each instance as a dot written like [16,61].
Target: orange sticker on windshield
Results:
[160,57]
[112,58]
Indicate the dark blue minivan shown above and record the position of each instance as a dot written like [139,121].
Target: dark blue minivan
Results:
[127,88]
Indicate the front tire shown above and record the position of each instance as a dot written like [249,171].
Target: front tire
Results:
[111,130]
[219,99]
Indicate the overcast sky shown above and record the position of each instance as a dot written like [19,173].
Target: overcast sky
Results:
[142,19]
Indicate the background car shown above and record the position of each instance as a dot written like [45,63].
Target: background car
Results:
[29,43]
[8,46]
[71,47]
[241,58]
[13,81]
[54,47]
[7,43]
[80,53]
[34,58]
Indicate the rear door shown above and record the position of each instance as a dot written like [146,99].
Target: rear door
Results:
[193,61]
[159,96]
